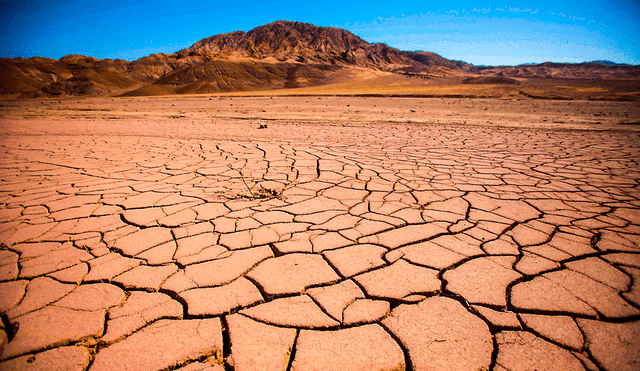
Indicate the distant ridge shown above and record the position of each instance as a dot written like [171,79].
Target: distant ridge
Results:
[606,63]
[609,63]
[278,55]
[553,70]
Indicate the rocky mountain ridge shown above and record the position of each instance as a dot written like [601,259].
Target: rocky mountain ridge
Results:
[278,55]
[306,43]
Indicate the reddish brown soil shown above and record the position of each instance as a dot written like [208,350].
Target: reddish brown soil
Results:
[319,233]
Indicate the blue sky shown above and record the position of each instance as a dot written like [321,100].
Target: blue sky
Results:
[489,33]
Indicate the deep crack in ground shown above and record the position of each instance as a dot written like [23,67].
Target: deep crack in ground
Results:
[410,247]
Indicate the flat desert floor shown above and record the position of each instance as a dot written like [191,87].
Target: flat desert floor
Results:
[319,233]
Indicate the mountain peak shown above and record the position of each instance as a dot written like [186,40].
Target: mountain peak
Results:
[307,43]
[285,40]
[281,54]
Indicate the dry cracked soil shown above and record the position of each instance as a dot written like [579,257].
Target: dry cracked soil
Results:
[174,234]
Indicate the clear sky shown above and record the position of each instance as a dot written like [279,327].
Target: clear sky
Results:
[489,32]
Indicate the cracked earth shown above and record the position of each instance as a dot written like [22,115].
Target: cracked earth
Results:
[308,246]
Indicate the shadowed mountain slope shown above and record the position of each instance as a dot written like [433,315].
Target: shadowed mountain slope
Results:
[302,42]
[278,55]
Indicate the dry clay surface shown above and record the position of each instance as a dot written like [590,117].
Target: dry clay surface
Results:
[316,246]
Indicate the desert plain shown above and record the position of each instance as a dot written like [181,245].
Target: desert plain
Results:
[307,232]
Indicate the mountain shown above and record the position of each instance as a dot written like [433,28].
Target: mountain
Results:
[278,55]
[609,63]
[306,43]
[550,70]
